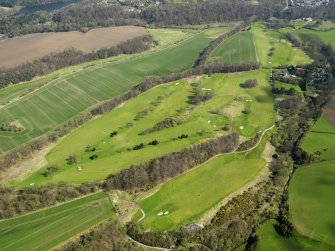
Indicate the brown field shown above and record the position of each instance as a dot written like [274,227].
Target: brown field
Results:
[330,112]
[18,50]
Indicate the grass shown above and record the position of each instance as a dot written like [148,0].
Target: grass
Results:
[270,240]
[284,53]
[70,94]
[190,195]
[287,86]
[167,37]
[113,153]
[239,48]
[48,228]
[325,36]
[321,139]
[312,202]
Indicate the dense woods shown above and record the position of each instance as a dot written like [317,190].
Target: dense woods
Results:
[158,170]
[69,57]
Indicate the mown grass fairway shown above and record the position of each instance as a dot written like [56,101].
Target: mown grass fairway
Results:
[200,122]
[189,196]
[312,201]
[283,52]
[238,49]
[48,228]
[321,139]
[65,97]
[270,240]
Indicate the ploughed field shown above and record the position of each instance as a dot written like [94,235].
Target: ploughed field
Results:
[18,50]
[45,229]
[66,93]
[162,114]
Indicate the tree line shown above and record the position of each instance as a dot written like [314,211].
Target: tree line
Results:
[156,171]
[69,57]
[14,202]
[26,3]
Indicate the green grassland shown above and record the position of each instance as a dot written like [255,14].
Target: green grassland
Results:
[312,201]
[270,240]
[48,228]
[239,48]
[321,139]
[143,112]
[284,53]
[325,36]
[287,86]
[171,36]
[67,96]
[190,195]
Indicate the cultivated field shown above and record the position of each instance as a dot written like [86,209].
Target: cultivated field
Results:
[48,228]
[67,95]
[18,50]
[283,52]
[189,196]
[270,240]
[143,112]
[239,48]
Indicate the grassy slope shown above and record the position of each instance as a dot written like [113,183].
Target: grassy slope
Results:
[189,196]
[312,201]
[66,97]
[229,99]
[48,228]
[287,86]
[284,53]
[270,240]
[239,48]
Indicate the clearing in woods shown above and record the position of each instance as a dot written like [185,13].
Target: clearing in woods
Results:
[18,50]
[238,49]
[65,96]
[50,227]
[199,122]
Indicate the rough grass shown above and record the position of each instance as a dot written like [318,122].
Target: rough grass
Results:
[239,48]
[190,195]
[312,201]
[287,86]
[48,228]
[284,53]
[167,37]
[68,95]
[270,240]
[113,153]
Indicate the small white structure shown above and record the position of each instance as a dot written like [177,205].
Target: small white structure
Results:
[241,127]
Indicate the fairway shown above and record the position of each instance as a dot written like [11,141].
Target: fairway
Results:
[269,239]
[312,201]
[199,122]
[283,52]
[238,49]
[48,228]
[189,196]
[67,96]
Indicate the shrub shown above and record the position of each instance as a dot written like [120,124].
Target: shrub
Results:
[250,83]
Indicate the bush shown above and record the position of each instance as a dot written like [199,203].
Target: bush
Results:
[93,157]
[154,143]
[138,147]
[250,83]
